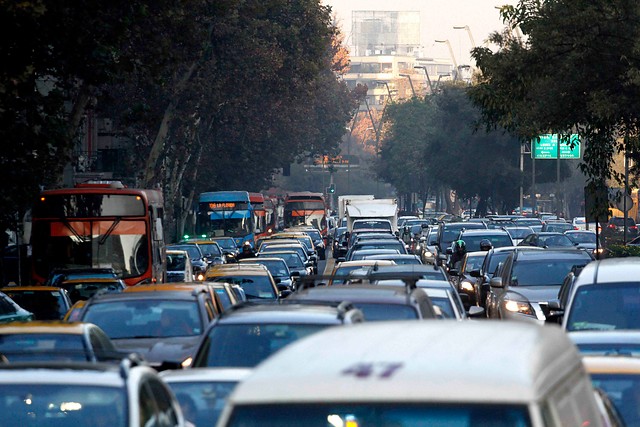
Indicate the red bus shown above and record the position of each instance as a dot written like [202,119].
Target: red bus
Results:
[306,208]
[97,225]
[271,211]
[259,215]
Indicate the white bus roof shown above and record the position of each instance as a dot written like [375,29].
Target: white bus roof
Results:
[405,361]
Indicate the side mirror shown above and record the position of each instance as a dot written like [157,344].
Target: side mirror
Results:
[397,233]
[475,311]
[277,280]
[284,293]
[496,282]
[341,259]
[295,274]
[474,273]
[556,312]
[308,264]
[454,272]
[282,287]
[449,251]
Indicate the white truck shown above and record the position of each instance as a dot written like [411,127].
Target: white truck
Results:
[385,209]
[346,199]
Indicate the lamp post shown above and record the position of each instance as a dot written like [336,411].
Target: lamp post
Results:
[439,78]
[413,91]
[466,27]
[453,58]
[426,73]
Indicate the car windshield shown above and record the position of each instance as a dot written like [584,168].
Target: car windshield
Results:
[29,347]
[605,306]
[255,287]
[202,401]
[624,392]
[246,345]
[45,305]
[550,272]
[145,318]
[445,306]
[85,290]
[64,404]
[379,312]
[381,414]
[582,237]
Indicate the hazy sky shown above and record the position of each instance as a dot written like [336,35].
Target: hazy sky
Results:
[438,17]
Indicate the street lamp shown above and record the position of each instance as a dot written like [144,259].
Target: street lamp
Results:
[453,58]
[382,82]
[439,78]
[413,92]
[466,27]
[426,73]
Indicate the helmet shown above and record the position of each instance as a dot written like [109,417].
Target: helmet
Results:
[485,245]
[460,245]
[246,246]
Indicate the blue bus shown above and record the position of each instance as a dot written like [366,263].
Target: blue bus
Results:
[226,214]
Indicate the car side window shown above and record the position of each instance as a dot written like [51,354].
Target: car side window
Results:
[157,407]
[6,307]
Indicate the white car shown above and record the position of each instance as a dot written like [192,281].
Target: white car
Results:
[86,394]
[579,223]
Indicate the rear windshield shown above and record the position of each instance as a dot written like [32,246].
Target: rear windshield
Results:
[620,221]
[549,272]
[605,307]
[380,414]
[255,287]
[378,312]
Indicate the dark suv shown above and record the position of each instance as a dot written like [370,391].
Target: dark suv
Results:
[614,231]
[529,280]
[248,333]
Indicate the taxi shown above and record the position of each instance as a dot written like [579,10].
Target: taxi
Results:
[254,279]
[85,288]
[45,302]
[55,340]
[74,312]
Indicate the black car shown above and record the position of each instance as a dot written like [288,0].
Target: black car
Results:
[614,231]
[375,244]
[472,238]
[248,333]
[529,280]
[198,261]
[548,240]
[449,231]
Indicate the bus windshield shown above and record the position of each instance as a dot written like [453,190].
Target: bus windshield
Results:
[120,244]
[233,227]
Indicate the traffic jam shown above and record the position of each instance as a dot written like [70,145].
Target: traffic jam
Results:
[360,318]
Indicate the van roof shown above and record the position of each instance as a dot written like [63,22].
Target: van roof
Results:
[408,361]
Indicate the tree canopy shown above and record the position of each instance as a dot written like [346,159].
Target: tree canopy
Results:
[575,69]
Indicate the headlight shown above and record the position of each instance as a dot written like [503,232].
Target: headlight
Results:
[200,277]
[187,362]
[428,254]
[466,285]
[519,307]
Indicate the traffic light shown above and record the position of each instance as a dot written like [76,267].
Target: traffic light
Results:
[332,188]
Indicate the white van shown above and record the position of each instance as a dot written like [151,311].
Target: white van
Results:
[401,374]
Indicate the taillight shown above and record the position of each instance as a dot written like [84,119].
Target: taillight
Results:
[634,227]
[612,226]
[575,228]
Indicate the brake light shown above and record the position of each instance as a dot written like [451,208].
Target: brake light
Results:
[575,228]
[612,226]
[634,227]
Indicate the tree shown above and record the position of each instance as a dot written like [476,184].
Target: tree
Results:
[575,71]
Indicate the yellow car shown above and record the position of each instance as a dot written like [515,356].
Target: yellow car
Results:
[254,279]
[56,340]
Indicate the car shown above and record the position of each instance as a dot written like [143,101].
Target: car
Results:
[428,249]
[518,232]
[254,279]
[547,240]
[203,392]
[585,239]
[179,268]
[614,231]
[56,341]
[250,332]
[462,278]
[607,342]
[199,262]
[84,394]
[605,296]
[449,231]
[12,312]
[341,270]
[283,245]
[82,289]
[278,269]
[425,271]
[74,311]
[408,373]
[364,253]
[293,237]
[45,302]
[210,249]
[372,224]
[316,237]
[377,302]
[339,236]
[228,246]
[528,222]
[497,237]
[297,267]
[392,244]
[163,323]
[491,266]
[59,275]
[398,259]
[619,378]
[528,280]
[557,227]
[579,223]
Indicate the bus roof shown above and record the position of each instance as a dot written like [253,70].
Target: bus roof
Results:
[305,195]
[153,197]
[408,361]
[256,197]
[225,196]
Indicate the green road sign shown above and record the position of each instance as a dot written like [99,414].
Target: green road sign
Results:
[547,147]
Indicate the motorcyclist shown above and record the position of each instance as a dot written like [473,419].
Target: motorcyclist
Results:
[459,249]
[485,245]
[247,251]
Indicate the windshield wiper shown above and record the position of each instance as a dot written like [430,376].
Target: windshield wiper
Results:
[71,229]
[109,231]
